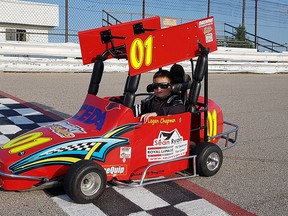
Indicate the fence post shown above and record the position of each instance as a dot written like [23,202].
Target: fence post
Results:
[66,21]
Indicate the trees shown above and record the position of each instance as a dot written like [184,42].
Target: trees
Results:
[240,38]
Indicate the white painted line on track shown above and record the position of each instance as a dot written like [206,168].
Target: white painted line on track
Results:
[8,101]
[142,197]
[142,213]
[200,207]
[73,209]
[9,129]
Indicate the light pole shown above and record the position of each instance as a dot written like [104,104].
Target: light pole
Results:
[243,12]
[256,15]
[208,9]
[143,9]
[66,21]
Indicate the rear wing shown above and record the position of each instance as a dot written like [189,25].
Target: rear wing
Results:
[146,45]
[96,41]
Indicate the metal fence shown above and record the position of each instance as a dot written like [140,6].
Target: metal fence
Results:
[77,15]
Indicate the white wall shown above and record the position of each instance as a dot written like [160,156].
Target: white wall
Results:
[39,38]
[29,13]
[30,16]
[65,57]
[2,35]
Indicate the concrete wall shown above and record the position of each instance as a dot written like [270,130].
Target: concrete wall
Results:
[65,57]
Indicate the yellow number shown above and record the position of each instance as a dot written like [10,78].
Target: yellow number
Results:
[137,48]
[212,120]
[148,45]
[140,51]
[25,142]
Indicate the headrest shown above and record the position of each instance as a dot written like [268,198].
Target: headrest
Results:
[149,88]
[181,86]
[177,73]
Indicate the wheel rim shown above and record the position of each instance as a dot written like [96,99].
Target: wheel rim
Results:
[213,161]
[90,184]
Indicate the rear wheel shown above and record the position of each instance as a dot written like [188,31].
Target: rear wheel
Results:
[85,181]
[209,158]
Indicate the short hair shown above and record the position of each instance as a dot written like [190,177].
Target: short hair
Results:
[163,73]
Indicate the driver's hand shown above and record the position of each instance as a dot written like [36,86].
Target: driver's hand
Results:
[144,118]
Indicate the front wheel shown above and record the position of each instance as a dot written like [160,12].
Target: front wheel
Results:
[209,158]
[85,181]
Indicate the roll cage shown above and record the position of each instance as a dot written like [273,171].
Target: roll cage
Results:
[117,48]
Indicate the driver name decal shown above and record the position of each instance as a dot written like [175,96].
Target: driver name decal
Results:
[161,121]
[91,115]
[167,146]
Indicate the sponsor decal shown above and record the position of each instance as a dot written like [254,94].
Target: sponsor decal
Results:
[66,129]
[147,173]
[208,30]
[115,170]
[125,152]
[161,121]
[205,22]
[69,152]
[167,146]
[209,38]
[91,115]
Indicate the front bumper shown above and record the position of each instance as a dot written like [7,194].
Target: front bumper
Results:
[229,141]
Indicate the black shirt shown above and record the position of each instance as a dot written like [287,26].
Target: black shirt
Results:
[162,106]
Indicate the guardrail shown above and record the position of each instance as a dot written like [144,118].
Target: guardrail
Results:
[66,57]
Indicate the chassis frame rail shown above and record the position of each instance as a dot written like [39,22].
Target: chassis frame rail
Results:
[144,182]
[44,179]
[229,143]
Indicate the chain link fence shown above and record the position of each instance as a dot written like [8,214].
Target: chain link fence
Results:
[93,13]
[77,15]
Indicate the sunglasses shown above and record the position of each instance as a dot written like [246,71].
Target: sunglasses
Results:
[163,85]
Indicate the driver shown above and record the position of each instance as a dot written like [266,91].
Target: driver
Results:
[163,101]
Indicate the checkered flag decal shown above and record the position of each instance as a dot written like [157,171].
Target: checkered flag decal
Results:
[74,147]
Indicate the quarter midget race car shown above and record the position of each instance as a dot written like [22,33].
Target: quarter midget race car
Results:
[104,143]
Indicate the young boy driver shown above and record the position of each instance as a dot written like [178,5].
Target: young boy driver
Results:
[163,101]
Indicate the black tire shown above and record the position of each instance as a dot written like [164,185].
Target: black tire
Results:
[209,158]
[85,181]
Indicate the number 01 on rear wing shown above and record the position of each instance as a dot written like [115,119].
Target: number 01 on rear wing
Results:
[93,42]
[163,47]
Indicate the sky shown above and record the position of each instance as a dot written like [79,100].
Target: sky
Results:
[272,15]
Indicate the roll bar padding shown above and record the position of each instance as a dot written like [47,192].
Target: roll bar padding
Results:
[96,77]
[131,87]
[198,75]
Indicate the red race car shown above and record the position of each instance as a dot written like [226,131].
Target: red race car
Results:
[105,143]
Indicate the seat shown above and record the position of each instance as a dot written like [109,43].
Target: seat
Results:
[181,81]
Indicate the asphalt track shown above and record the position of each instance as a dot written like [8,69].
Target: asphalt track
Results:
[254,173]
